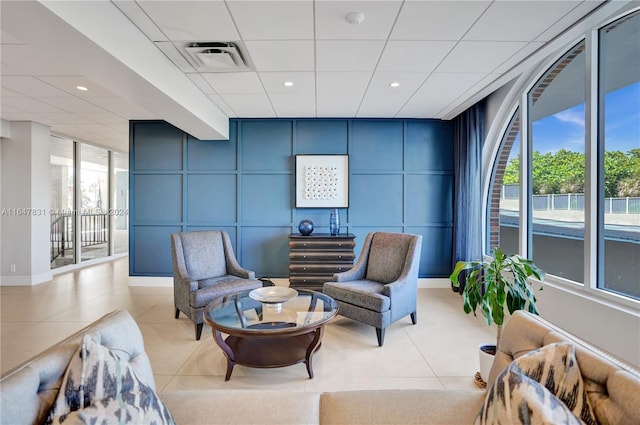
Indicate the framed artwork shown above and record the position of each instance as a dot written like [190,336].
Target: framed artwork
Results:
[322,181]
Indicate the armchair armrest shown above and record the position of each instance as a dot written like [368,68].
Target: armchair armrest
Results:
[352,274]
[235,269]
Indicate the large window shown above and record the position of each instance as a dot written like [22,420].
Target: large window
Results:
[619,98]
[578,121]
[89,202]
[62,205]
[557,122]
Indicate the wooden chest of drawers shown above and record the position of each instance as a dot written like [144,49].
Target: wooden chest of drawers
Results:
[315,258]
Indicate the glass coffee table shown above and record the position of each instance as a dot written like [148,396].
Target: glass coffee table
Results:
[267,331]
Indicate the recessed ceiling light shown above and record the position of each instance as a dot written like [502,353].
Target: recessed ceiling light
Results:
[394,84]
[82,88]
[288,83]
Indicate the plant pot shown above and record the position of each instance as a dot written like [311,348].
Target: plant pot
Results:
[487,353]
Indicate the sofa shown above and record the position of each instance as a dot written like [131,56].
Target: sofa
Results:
[28,392]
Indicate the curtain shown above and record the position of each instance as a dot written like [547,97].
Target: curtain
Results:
[467,189]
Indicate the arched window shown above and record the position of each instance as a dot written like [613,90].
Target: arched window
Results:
[581,222]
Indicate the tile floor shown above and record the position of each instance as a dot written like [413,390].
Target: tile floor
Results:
[439,352]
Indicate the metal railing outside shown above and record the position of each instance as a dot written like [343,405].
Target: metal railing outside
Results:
[573,201]
[94,231]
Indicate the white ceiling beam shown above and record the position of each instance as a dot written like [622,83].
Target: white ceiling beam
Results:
[98,41]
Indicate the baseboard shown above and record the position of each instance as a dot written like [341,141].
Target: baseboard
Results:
[29,280]
[159,281]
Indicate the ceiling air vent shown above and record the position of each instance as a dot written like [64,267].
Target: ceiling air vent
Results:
[215,56]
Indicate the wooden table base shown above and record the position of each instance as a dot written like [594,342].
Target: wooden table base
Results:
[269,352]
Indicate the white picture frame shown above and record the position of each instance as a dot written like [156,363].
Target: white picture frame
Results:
[322,181]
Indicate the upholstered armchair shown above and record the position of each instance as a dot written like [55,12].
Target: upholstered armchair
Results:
[382,286]
[205,268]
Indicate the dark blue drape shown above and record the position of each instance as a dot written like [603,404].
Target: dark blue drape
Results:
[467,195]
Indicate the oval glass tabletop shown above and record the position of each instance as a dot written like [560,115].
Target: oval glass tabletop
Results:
[242,312]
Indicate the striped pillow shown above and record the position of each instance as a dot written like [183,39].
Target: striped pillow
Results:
[541,387]
[100,387]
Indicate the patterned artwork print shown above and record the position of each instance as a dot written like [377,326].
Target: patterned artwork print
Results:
[321,182]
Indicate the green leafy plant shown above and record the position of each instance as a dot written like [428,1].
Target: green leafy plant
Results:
[498,282]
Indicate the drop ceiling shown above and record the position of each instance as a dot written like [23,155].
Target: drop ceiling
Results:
[445,55]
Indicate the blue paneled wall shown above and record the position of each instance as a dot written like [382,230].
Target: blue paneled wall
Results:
[401,180]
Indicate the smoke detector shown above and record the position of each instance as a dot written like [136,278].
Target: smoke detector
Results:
[215,56]
[355,18]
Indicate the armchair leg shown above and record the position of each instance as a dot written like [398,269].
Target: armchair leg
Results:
[177,312]
[380,335]
[199,330]
[414,317]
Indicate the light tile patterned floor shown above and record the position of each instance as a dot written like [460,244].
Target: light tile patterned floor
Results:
[439,352]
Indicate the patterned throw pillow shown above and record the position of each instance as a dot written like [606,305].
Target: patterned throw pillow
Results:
[100,387]
[542,387]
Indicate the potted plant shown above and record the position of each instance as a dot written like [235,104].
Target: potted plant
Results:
[495,283]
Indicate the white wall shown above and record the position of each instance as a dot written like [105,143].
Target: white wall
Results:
[24,198]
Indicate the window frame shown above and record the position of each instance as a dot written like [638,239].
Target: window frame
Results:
[517,99]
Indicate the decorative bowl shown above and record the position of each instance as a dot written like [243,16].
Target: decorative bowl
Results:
[273,294]
[305,227]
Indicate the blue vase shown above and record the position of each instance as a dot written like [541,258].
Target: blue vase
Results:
[305,227]
[334,222]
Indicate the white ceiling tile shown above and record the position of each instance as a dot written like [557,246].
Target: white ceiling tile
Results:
[69,84]
[5,92]
[479,56]
[331,22]
[349,55]
[235,82]
[122,107]
[436,20]
[376,105]
[288,55]
[333,105]
[273,20]
[65,118]
[333,72]
[8,69]
[519,56]
[72,104]
[32,87]
[201,82]
[450,83]
[7,38]
[409,82]
[518,20]
[4,107]
[172,52]
[220,103]
[22,116]
[414,56]
[94,128]
[104,117]
[249,105]
[294,105]
[122,127]
[26,60]
[425,105]
[582,9]
[141,20]
[192,20]
[342,83]
[303,82]
[29,104]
